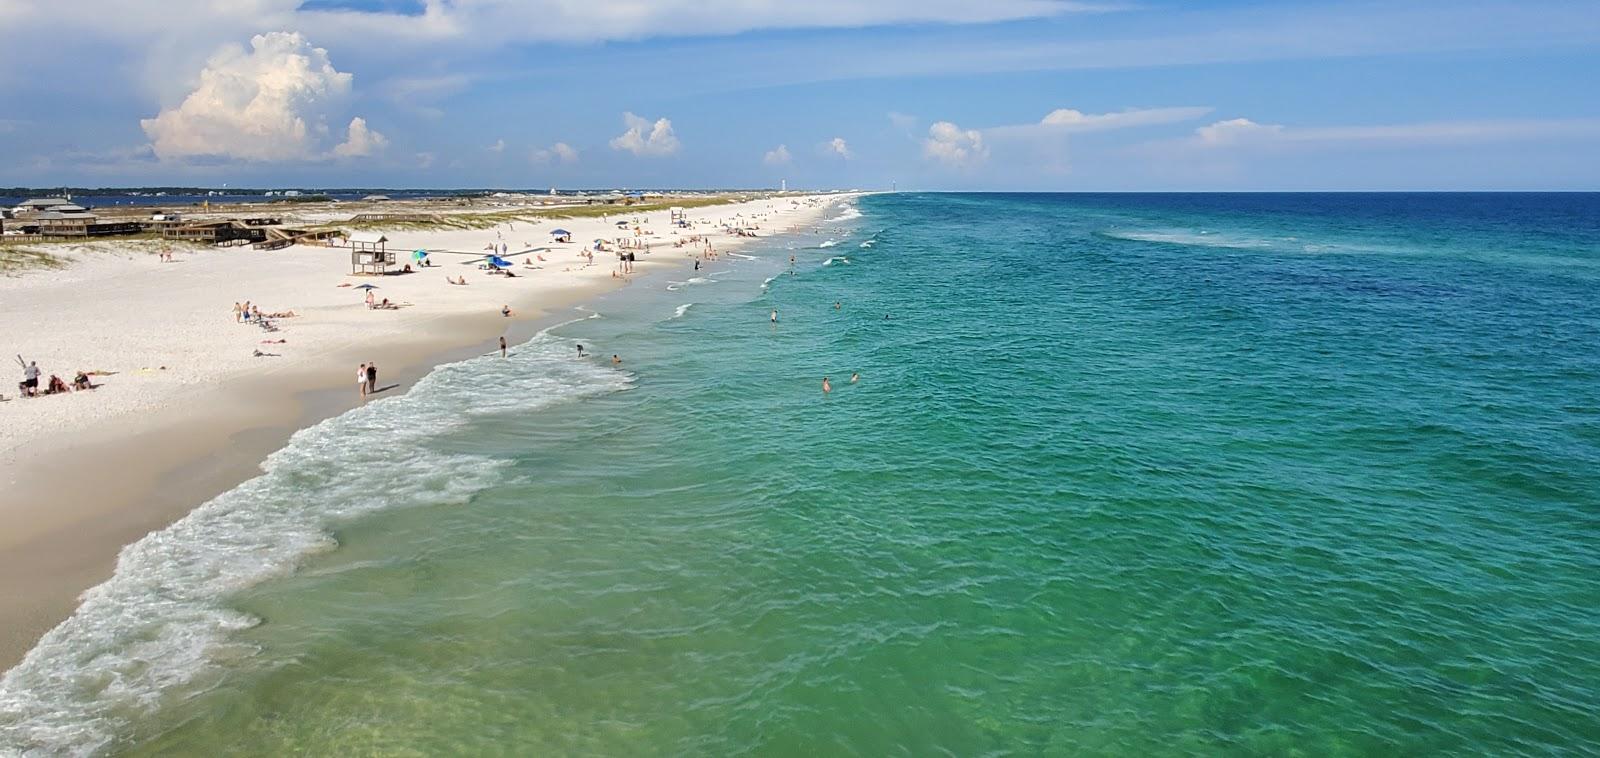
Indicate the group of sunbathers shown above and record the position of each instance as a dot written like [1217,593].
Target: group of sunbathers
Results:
[247,313]
[29,386]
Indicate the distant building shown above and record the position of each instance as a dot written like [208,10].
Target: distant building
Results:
[77,224]
[41,204]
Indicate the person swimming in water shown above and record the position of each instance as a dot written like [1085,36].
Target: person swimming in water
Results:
[774,315]
[826,385]
[855,377]
[615,361]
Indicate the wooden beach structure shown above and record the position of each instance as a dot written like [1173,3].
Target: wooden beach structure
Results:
[369,253]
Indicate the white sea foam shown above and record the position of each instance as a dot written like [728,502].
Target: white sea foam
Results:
[839,258]
[849,214]
[163,618]
[742,255]
[767,282]
[682,309]
[829,243]
[1201,238]
[867,244]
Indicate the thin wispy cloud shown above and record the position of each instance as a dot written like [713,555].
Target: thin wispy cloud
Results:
[1245,133]
[560,153]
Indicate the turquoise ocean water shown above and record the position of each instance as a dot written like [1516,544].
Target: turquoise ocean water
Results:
[1123,474]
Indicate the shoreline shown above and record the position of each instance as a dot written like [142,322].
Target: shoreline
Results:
[66,529]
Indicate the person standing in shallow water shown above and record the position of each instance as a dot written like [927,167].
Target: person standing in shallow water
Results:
[361,380]
[827,386]
[774,315]
[502,347]
[372,378]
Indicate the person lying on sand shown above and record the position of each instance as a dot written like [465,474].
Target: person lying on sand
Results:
[56,386]
[81,382]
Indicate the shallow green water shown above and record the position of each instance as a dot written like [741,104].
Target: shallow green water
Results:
[1287,475]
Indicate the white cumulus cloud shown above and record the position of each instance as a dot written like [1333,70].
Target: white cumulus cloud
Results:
[270,102]
[499,146]
[560,152]
[360,140]
[953,146]
[778,156]
[837,147]
[646,138]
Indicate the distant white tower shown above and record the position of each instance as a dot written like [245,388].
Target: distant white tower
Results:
[783,185]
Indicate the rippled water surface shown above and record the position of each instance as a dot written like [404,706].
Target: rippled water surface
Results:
[1280,475]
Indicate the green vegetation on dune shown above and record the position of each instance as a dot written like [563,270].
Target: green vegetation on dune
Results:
[15,259]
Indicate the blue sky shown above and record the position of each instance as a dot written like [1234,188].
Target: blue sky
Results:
[931,94]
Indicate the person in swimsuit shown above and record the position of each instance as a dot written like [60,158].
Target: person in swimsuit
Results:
[827,386]
[580,351]
[372,378]
[502,347]
[855,377]
[615,361]
[361,380]
[774,315]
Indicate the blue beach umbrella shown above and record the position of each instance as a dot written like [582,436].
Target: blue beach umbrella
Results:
[366,287]
[418,255]
[559,232]
[498,262]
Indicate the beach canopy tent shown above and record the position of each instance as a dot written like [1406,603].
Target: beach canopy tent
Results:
[561,235]
[498,262]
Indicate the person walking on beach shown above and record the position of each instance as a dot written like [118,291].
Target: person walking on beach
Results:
[361,380]
[238,312]
[502,347]
[372,378]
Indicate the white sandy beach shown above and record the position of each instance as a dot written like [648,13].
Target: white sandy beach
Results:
[73,465]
